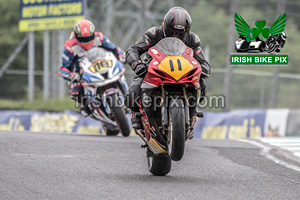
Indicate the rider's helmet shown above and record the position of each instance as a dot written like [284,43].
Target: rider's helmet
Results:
[283,35]
[177,23]
[84,31]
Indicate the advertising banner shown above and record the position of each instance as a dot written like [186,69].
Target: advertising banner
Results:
[276,121]
[38,15]
[214,125]
[37,121]
[231,125]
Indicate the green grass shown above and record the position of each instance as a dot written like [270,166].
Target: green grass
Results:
[54,105]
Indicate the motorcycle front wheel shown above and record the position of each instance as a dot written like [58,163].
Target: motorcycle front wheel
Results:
[120,116]
[176,138]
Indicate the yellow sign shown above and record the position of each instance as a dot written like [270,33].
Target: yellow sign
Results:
[48,23]
[100,65]
[175,66]
[38,15]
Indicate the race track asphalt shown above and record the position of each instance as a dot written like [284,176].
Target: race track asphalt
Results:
[66,166]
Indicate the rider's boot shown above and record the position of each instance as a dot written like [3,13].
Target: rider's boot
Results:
[84,107]
[132,101]
[136,121]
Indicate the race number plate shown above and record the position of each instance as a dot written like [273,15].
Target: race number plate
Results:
[100,65]
[175,66]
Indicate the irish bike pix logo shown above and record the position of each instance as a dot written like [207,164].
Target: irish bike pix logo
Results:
[260,45]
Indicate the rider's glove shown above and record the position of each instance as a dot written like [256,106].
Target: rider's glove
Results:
[141,69]
[74,77]
[122,58]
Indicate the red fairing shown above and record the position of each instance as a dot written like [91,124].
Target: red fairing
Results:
[155,79]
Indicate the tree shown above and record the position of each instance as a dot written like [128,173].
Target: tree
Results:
[10,38]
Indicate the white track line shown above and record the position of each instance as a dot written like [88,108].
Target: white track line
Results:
[291,144]
[280,140]
[297,154]
[51,156]
[266,153]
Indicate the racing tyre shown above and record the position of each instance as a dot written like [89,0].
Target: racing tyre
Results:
[120,116]
[159,165]
[176,139]
[109,131]
[112,132]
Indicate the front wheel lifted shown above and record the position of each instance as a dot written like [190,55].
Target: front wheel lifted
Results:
[176,138]
[158,165]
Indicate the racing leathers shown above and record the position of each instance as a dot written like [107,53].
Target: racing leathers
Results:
[70,69]
[148,40]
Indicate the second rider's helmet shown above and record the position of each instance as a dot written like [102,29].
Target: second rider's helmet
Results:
[84,31]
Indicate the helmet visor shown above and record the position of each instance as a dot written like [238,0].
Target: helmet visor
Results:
[85,39]
[180,34]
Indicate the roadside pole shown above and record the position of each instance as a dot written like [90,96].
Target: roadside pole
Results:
[275,81]
[61,82]
[31,66]
[46,84]
[229,70]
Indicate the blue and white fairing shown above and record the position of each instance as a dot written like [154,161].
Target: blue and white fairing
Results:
[100,68]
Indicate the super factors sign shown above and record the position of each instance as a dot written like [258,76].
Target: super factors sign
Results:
[49,14]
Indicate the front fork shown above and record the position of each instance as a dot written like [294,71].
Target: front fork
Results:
[165,113]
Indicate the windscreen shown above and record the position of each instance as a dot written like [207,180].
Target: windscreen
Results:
[96,53]
[171,46]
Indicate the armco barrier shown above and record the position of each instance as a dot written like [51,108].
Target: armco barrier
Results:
[219,125]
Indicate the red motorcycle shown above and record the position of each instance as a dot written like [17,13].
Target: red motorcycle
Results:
[168,103]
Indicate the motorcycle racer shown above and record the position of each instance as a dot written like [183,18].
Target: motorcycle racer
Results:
[82,39]
[177,23]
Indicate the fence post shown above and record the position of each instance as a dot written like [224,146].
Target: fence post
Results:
[31,66]
[229,70]
[275,83]
[46,84]
[54,64]
[61,82]
[262,92]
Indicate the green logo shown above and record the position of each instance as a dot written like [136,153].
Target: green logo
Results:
[260,31]
[260,38]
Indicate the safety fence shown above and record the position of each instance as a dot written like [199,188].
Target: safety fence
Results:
[214,125]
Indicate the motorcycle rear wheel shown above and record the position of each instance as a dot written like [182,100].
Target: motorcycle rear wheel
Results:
[176,139]
[159,165]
